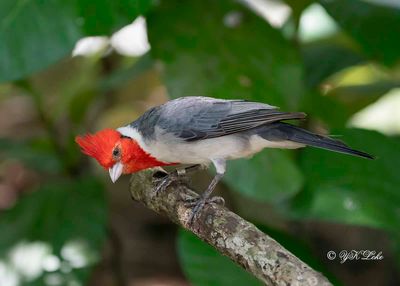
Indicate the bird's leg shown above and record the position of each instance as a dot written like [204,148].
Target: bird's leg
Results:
[199,202]
[174,176]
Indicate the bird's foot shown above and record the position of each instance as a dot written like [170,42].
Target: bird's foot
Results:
[197,204]
[164,180]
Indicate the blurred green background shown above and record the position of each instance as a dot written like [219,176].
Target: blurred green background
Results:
[63,223]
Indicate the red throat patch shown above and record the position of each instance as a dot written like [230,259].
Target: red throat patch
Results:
[101,145]
[136,159]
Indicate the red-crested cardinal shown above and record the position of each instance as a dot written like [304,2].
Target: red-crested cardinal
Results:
[200,130]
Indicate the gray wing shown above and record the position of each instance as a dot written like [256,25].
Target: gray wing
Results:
[195,118]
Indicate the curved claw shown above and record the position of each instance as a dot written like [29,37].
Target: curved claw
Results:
[178,174]
[168,179]
[165,183]
[196,211]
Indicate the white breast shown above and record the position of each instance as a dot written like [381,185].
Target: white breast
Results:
[171,149]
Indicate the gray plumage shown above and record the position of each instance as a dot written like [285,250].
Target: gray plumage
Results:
[196,118]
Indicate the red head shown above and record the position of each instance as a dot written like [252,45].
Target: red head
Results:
[118,154]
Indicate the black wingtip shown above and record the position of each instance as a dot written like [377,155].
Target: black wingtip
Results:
[368,156]
[353,152]
[299,135]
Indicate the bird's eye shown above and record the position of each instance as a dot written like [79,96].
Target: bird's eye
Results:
[116,152]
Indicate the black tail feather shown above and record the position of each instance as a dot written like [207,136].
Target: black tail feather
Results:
[284,131]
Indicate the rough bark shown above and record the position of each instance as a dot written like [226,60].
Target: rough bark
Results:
[230,234]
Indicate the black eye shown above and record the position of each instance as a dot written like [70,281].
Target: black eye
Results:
[116,152]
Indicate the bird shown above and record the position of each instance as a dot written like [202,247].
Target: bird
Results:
[199,131]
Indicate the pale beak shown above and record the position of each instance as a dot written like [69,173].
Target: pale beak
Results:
[116,171]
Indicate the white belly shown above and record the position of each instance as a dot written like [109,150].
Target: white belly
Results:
[199,152]
[203,151]
[168,148]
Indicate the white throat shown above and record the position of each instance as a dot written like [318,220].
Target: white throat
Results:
[131,132]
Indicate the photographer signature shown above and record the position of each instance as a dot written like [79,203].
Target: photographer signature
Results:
[349,255]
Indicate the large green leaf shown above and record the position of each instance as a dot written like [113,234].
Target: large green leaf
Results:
[324,58]
[375,27]
[34,34]
[219,49]
[339,104]
[64,222]
[37,33]
[355,97]
[270,176]
[326,108]
[203,265]
[353,190]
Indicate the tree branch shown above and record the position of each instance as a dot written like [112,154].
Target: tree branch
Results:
[230,234]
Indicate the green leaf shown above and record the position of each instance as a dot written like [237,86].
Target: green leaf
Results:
[203,265]
[65,220]
[339,104]
[35,33]
[326,108]
[220,49]
[270,176]
[324,58]
[376,28]
[355,97]
[353,190]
